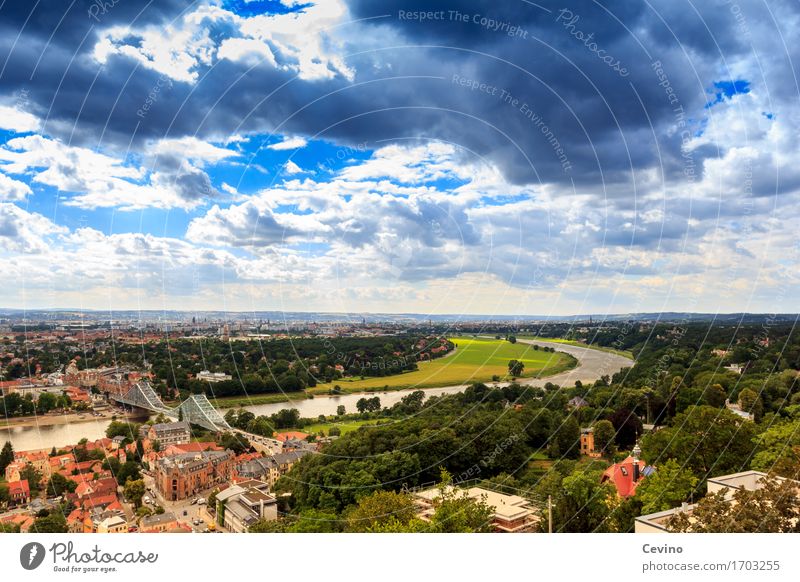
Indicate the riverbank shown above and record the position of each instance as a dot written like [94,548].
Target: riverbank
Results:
[479,360]
[623,353]
[58,419]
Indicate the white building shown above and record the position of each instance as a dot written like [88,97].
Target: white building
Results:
[729,484]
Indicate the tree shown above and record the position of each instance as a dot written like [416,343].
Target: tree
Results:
[134,491]
[515,368]
[340,410]
[127,429]
[5,497]
[334,431]
[6,456]
[33,477]
[380,508]
[707,441]
[668,487]
[584,504]
[457,512]
[750,402]
[512,339]
[774,508]
[267,526]
[129,471]
[715,396]
[604,434]
[238,444]
[54,522]
[59,485]
[627,427]
[565,441]
[361,405]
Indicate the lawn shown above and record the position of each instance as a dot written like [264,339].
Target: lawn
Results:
[345,426]
[475,360]
[237,401]
[623,353]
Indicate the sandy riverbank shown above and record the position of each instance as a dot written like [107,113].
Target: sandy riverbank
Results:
[58,419]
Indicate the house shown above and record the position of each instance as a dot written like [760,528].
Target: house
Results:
[14,470]
[75,521]
[264,469]
[242,504]
[196,447]
[170,433]
[118,442]
[290,435]
[213,377]
[181,476]
[729,484]
[19,492]
[113,524]
[511,513]
[23,520]
[626,475]
[285,461]
[158,523]
[577,402]
[587,443]
[40,460]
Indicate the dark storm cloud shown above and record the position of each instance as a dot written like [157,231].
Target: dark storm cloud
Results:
[559,113]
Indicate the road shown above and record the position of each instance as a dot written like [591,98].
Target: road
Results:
[184,510]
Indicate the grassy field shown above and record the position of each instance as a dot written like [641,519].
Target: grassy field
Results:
[623,353]
[236,401]
[475,360]
[345,426]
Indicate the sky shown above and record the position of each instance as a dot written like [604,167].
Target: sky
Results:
[467,157]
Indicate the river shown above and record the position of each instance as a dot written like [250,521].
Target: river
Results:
[592,365]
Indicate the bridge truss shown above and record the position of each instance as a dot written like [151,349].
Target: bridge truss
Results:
[195,410]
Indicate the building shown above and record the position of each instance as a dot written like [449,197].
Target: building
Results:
[158,523]
[170,433]
[113,524]
[729,484]
[241,505]
[212,377]
[285,461]
[626,475]
[263,469]
[512,513]
[587,443]
[291,435]
[181,476]
[19,492]
[577,402]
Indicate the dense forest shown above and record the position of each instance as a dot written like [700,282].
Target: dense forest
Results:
[675,401]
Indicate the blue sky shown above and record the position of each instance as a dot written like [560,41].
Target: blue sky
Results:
[341,157]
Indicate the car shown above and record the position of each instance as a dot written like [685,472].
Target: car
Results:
[193,501]
[201,501]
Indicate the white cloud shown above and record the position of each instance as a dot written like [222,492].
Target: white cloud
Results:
[288,143]
[97,180]
[291,168]
[12,190]
[16,120]
[299,42]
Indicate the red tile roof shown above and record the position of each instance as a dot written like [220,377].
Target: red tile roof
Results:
[292,434]
[622,475]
